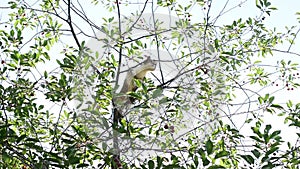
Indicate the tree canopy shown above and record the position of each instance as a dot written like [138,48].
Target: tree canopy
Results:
[148,84]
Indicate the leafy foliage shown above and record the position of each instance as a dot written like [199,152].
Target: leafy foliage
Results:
[57,91]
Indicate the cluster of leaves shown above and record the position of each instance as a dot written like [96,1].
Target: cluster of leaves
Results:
[36,135]
[32,134]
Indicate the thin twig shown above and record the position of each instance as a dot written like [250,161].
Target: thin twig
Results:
[69,21]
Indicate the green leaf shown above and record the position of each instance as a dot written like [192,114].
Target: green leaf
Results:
[275,133]
[146,114]
[139,43]
[271,99]
[248,158]
[298,106]
[6,157]
[217,43]
[268,166]
[12,4]
[260,100]
[256,153]
[267,128]
[221,154]
[105,123]
[110,19]
[163,100]
[211,48]
[55,160]
[209,146]
[201,152]
[216,167]
[12,33]
[21,138]
[159,161]
[104,146]
[74,160]
[83,165]
[224,58]
[257,138]
[289,104]
[150,164]
[272,150]
[273,8]
[158,92]
[135,95]
[196,161]
[277,106]
[205,161]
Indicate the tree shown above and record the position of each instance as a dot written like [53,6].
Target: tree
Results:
[204,106]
